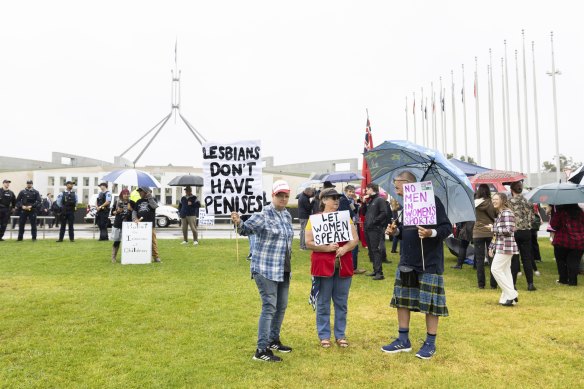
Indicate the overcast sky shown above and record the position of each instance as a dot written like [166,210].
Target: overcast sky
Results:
[91,77]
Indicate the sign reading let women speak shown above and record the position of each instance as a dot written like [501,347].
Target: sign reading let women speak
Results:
[419,204]
[232,174]
[331,227]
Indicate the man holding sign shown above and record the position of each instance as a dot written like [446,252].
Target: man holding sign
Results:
[419,284]
[331,235]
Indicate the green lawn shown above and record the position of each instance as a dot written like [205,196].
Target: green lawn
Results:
[69,318]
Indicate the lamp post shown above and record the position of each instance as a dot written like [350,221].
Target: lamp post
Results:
[553,75]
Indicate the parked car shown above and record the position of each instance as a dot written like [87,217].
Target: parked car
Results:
[165,214]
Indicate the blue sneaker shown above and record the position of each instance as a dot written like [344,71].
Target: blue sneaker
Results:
[397,346]
[427,351]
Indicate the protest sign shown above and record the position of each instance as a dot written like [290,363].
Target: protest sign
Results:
[204,219]
[136,243]
[331,227]
[232,174]
[419,204]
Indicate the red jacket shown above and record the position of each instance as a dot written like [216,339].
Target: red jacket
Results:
[323,264]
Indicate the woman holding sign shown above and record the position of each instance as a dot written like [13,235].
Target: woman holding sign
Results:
[331,237]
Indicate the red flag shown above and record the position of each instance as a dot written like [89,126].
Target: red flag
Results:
[367,146]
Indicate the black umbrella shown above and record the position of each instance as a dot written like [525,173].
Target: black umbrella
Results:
[186,180]
[454,246]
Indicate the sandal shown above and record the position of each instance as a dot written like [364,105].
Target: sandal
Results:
[325,343]
[342,343]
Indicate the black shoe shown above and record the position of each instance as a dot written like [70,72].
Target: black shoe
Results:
[508,303]
[516,299]
[531,288]
[378,277]
[481,287]
[58,241]
[393,252]
[266,356]
[372,274]
[72,240]
[385,261]
[493,287]
[277,345]
[456,267]
[1,240]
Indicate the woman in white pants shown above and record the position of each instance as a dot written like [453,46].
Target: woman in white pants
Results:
[502,248]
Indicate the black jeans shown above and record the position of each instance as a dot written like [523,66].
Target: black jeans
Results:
[535,249]
[480,246]
[101,219]
[568,262]
[67,220]
[374,239]
[523,240]
[31,216]
[462,253]
[4,219]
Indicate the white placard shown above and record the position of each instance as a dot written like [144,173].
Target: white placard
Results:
[232,174]
[419,204]
[331,227]
[204,219]
[136,243]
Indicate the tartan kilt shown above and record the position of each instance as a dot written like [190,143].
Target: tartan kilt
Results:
[430,298]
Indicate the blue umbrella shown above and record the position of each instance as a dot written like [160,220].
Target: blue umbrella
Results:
[341,177]
[132,177]
[557,194]
[451,185]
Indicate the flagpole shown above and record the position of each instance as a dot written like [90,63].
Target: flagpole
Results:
[492,162]
[434,141]
[407,127]
[528,166]
[537,155]
[414,113]
[518,115]
[558,166]
[504,113]
[453,115]
[508,110]
[442,119]
[492,110]
[426,120]
[464,115]
[444,129]
[478,126]
[422,111]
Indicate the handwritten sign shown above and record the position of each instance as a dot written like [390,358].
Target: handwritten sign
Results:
[204,219]
[331,227]
[136,243]
[232,176]
[419,204]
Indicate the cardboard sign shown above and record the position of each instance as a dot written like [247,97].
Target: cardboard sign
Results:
[419,204]
[204,219]
[331,227]
[232,176]
[136,243]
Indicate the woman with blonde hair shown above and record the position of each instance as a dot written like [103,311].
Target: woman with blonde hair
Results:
[502,248]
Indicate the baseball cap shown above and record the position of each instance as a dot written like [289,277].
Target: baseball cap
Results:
[280,186]
[188,188]
[70,182]
[6,181]
[103,184]
[144,189]
[29,181]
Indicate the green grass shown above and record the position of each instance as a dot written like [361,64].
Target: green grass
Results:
[69,318]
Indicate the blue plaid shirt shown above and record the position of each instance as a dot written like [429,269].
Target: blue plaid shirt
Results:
[273,231]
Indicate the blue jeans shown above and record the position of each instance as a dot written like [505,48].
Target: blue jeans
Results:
[337,289]
[274,297]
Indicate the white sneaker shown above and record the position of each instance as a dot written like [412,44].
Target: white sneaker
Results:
[184,242]
[519,274]
[537,273]
[196,243]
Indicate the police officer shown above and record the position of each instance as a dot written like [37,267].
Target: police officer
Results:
[7,203]
[29,202]
[104,200]
[67,202]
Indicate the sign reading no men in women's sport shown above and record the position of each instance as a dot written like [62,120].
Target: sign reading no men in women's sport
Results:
[419,204]
[136,243]
[232,174]
[331,227]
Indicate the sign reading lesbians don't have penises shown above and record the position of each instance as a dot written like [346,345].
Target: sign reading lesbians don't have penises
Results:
[232,174]
[419,204]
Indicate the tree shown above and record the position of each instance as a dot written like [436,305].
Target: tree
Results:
[565,162]
[468,159]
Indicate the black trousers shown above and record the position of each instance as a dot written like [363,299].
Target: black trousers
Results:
[374,239]
[568,262]
[481,245]
[101,219]
[535,249]
[67,219]
[462,253]
[4,219]
[523,240]
[31,216]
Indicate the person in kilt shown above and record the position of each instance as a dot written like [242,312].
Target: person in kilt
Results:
[421,286]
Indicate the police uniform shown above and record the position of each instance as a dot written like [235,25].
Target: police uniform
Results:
[28,197]
[67,202]
[102,214]
[7,203]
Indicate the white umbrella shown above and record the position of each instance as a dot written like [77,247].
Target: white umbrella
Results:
[132,177]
